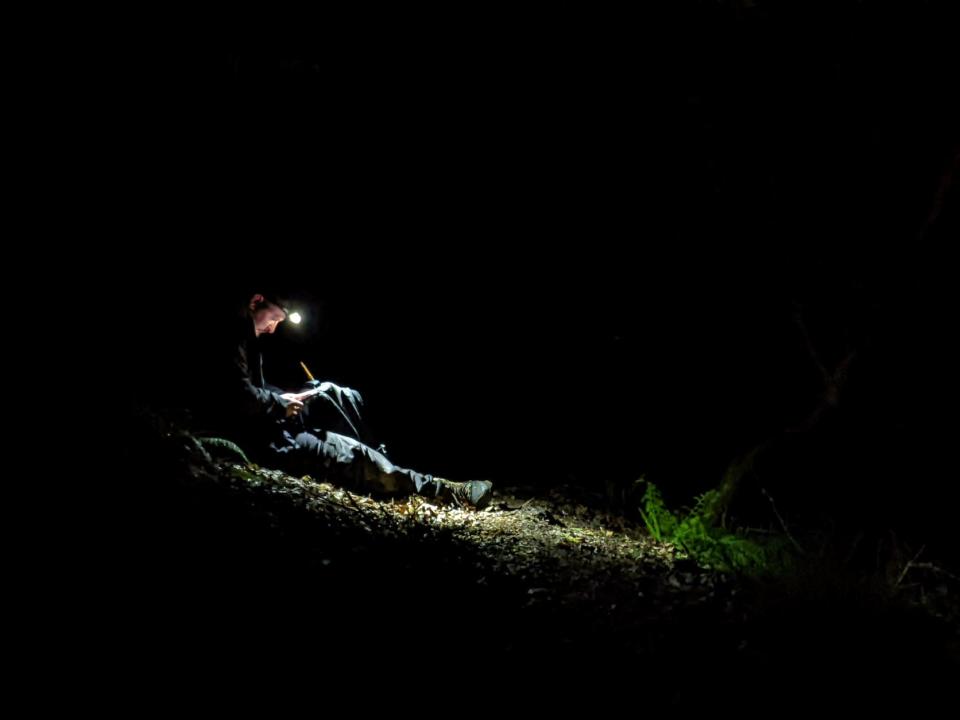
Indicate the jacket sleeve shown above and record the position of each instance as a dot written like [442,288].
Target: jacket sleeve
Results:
[253,401]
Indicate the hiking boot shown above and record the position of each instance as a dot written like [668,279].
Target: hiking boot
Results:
[473,493]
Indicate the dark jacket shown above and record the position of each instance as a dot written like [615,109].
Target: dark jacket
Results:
[239,404]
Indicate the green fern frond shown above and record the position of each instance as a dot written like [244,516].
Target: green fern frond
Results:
[224,444]
[699,534]
[660,522]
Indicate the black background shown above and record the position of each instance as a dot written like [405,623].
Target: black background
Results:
[549,248]
[558,249]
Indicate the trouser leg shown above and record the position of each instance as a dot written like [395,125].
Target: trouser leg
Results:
[337,409]
[348,462]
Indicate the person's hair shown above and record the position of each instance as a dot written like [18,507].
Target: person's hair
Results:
[273,296]
[244,290]
[279,300]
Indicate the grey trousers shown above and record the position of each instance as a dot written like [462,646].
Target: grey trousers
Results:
[348,462]
[337,409]
[327,442]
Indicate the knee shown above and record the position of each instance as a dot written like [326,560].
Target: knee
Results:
[308,442]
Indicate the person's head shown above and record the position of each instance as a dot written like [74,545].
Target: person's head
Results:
[267,313]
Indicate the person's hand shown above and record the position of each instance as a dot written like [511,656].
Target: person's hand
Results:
[294,403]
[300,396]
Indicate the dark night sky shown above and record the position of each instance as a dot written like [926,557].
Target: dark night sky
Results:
[549,249]
[572,248]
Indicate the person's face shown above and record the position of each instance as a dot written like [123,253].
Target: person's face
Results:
[266,317]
